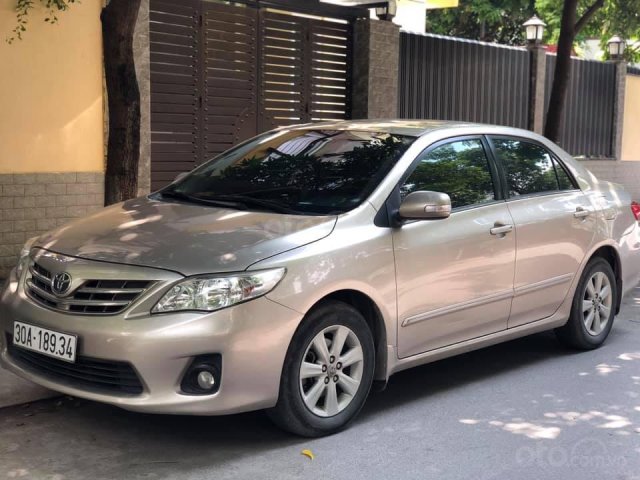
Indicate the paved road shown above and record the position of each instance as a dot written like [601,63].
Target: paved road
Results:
[523,410]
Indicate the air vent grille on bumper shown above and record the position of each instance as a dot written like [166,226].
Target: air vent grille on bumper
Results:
[86,373]
[93,297]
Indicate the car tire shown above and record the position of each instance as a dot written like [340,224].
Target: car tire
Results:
[593,308]
[322,396]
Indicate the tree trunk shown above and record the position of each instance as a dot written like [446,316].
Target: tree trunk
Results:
[562,72]
[123,150]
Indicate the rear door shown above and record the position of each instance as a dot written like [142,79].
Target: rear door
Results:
[554,226]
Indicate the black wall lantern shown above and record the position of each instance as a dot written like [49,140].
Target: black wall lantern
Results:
[387,10]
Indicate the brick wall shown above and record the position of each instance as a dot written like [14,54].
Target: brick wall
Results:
[32,203]
[376,50]
[625,173]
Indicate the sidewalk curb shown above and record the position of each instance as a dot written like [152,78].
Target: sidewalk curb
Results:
[17,391]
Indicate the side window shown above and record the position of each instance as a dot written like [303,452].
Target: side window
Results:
[530,168]
[563,177]
[459,169]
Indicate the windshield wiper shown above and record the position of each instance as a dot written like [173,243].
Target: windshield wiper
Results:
[239,202]
[199,200]
[254,202]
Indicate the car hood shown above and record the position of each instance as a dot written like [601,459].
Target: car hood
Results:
[186,238]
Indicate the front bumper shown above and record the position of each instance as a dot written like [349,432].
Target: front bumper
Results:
[252,339]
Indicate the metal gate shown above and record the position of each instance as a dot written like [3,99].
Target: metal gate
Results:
[587,121]
[454,79]
[221,73]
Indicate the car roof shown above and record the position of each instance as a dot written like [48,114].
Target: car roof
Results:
[416,128]
[442,129]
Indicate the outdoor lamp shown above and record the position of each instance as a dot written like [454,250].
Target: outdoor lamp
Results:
[616,47]
[387,10]
[534,28]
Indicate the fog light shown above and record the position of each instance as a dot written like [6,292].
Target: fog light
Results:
[203,375]
[206,380]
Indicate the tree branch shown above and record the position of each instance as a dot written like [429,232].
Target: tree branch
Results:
[586,16]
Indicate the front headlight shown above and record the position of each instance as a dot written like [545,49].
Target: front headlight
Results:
[213,292]
[24,256]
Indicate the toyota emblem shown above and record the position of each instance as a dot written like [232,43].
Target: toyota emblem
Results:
[61,283]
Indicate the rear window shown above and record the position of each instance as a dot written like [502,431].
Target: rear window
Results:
[311,171]
[530,168]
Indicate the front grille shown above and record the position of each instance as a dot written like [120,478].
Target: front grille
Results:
[86,373]
[95,297]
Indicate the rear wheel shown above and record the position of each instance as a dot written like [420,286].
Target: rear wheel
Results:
[593,308]
[327,373]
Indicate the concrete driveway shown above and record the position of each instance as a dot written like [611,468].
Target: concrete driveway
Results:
[523,410]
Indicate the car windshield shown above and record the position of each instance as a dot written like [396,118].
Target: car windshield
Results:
[313,171]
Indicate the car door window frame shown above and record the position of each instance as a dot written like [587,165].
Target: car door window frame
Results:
[566,171]
[392,205]
[503,170]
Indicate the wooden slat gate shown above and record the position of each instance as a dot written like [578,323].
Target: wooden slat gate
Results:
[222,73]
[175,88]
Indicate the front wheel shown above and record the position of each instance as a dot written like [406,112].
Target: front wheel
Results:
[327,373]
[593,308]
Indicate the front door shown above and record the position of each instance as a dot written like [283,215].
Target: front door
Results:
[454,276]
[554,224]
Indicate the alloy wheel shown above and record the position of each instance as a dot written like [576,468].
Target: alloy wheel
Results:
[331,371]
[597,303]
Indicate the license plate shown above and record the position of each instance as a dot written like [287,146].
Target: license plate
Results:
[47,342]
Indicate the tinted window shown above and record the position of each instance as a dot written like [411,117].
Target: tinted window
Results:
[459,169]
[563,177]
[530,168]
[306,171]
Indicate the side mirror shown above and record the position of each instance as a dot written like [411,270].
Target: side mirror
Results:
[180,176]
[424,205]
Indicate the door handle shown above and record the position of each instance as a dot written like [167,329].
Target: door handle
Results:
[581,212]
[501,229]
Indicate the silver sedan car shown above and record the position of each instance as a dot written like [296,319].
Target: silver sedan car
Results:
[305,265]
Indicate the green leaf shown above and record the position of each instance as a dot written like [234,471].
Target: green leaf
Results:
[23,7]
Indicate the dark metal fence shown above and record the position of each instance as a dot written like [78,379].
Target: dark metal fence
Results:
[587,124]
[453,79]
[633,70]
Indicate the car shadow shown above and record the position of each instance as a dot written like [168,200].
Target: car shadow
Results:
[71,437]
[456,372]
[177,444]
